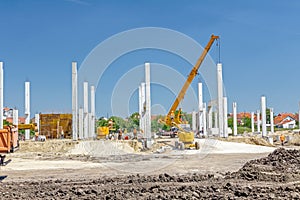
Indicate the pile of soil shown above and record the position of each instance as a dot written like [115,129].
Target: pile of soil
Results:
[279,166]
[54,146]
[248,140]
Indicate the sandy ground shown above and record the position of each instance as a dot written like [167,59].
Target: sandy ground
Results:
[117,158]
[116,170]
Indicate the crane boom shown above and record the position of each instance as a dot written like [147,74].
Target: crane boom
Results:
[190,78]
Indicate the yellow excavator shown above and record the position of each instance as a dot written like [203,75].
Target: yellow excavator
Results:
[173,118]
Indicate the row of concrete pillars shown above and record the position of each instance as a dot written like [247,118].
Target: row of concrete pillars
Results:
[213,119]
[83,118]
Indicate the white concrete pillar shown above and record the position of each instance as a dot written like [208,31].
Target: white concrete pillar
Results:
[216,119]
[272,119]
[27,109]
[37,121]
[258,120]
[204,120]
[140,107]
[90,135]
[1,94]
[148,105]
[194,119]
[210,121]
[74,101]
[234,110]
[263,116]
[80,124]
[252,122]
[225,118]
[200,106]
[93,111]
[143,89]
[220,100]
[85,110]
[15,117]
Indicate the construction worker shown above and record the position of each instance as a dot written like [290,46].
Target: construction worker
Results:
[282,139]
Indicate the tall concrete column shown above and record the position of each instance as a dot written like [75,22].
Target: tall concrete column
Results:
[210,121]
[204,120]
[272,119]
[15,117]
[27,109]
[216,124]
[90,125]
[74,101]
[252,122]
[85,110]
[263,116]
[234,110]
[148,105]
[220,100]
[258,120]
[143,104]
[93,112]
[225,118]
[140,107]
[80,124]
[1,95]
[194,119]
[200,106]
[37,121]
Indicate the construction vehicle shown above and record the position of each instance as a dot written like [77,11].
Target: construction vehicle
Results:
[173,118]
[9,139]
[106,130]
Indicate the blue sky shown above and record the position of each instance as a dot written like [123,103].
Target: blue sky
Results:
[259,47]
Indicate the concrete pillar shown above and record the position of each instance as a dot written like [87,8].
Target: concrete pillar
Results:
[204,120]
[27,109]
[272,119]
[216,119]
[234,110]
[200,106]
[148,105]
[194,119]
[74,101]
[225,118]
[252,122]
[220,100]
[263,116]
[143,104]
[80,124]
[93,112]
[210,122]
[258,120]
[15,117]
[90,135]
[37,121]
[140,107]
[1,94]
[85,110]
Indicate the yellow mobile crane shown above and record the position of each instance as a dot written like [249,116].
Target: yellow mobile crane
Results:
[186,138]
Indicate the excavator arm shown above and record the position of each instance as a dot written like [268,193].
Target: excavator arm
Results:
[169,119]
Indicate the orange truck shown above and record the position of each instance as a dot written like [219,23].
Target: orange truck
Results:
[9,139]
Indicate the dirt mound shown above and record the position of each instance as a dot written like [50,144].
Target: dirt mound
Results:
[163,186]
[280,166]
[49,146]
[248,140]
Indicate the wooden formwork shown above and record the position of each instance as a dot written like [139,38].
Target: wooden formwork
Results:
[53,125]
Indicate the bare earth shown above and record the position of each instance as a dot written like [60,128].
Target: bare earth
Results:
[113,170]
